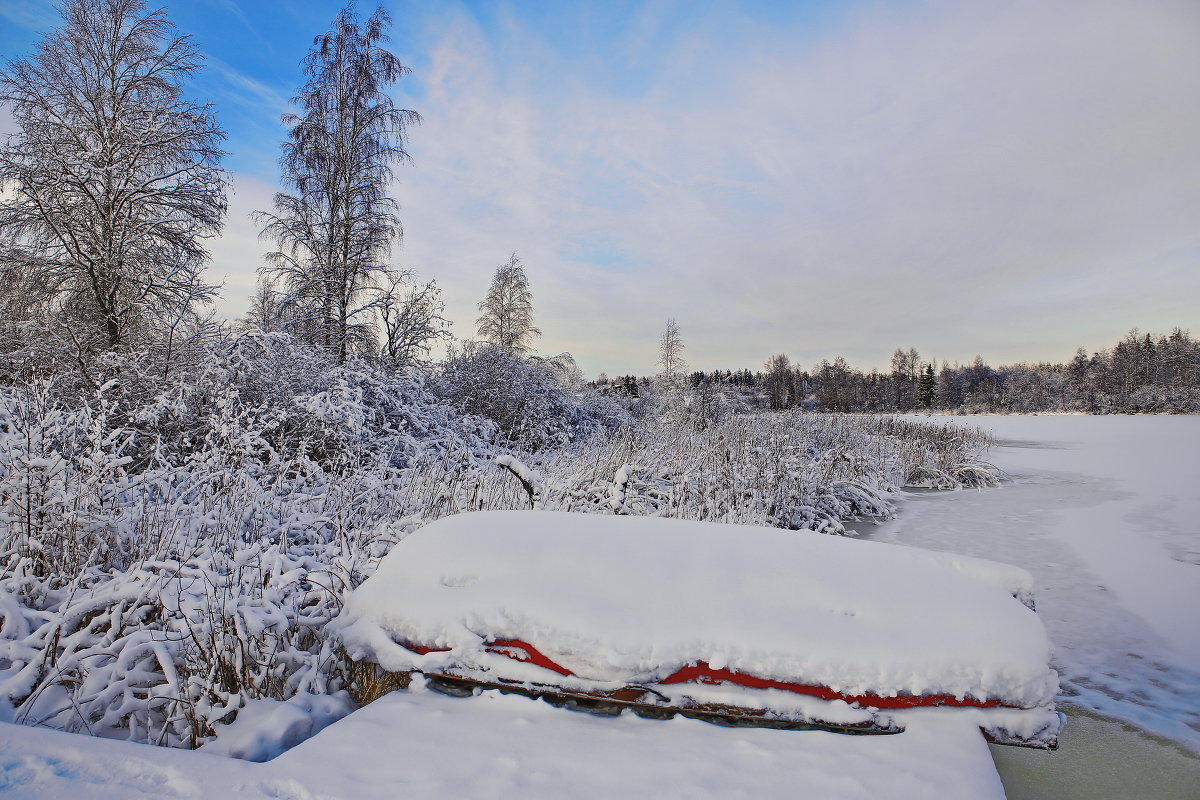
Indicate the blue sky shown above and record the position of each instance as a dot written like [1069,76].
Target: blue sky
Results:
[818,178]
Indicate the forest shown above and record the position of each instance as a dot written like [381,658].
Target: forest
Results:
[1141,374]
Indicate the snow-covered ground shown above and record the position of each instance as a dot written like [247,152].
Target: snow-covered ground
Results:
[421,744]
[1105,512]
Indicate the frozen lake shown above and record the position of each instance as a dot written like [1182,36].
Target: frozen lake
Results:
[1105,512]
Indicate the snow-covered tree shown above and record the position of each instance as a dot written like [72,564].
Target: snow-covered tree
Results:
[670,355]
[506,318]
[534,402]
[112,181]
[905,368]
[835,390]
[779,382]
[264,312]
[413,321]
[336,227]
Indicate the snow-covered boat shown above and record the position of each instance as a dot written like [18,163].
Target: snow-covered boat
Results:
[737,624]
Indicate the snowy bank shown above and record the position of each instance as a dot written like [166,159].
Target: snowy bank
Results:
[423,744]
[708,613]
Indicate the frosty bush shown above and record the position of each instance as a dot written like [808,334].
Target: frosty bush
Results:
[789,470]
[63,482]
[531,400]
[938,456]
[171,550]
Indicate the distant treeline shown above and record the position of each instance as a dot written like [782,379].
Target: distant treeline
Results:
[1140,374]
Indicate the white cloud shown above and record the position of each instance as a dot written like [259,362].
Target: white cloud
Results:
[237,254]
[36,15]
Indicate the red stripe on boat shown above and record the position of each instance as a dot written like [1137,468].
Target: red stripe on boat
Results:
[701,672]
[505,647]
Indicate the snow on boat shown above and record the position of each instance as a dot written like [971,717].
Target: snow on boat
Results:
[737,624]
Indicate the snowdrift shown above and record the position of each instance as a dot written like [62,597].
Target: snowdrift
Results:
[745,624]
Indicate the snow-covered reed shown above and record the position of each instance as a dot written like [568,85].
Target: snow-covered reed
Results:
[786,469]
[168,556]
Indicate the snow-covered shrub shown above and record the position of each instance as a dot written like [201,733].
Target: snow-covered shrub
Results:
[302,408]
[783,469]
[1158,400]
[230,606]
[528,399]
[170,554]
[62,481]
[710,403]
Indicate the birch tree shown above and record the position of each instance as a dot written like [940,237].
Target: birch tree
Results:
[112,181]
[264,314]
[779,382]
[335,229]
[905,366]
[413,321]
[670,355]
[506,318]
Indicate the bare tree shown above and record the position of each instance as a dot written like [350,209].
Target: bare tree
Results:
[905,366]
[780,382]
[335,230]
[112,181]
[264,313]
[507,309]
[670,356]
[412,317]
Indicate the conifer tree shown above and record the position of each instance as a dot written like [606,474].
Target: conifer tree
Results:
[927,387]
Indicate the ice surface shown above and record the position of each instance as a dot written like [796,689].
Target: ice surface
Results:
[1105,512]
[631,600]
[422,744]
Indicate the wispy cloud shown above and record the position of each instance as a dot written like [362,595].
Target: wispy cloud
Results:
[233,8]
[246,91]
[952,176]
[251,110]
[34,15]
[1005,178]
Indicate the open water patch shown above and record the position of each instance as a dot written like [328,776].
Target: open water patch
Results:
[1099,757]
